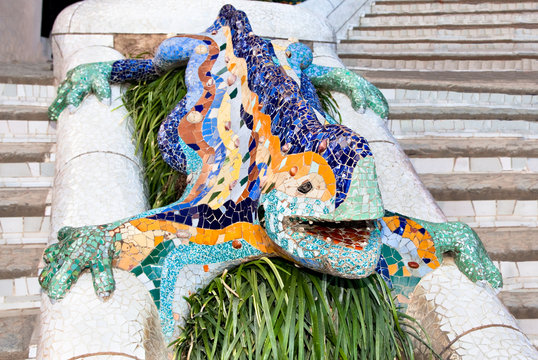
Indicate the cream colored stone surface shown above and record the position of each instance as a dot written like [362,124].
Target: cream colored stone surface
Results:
[184,16]
[126,326]
[98,180]
[98,176]
[466,320]
[64,46]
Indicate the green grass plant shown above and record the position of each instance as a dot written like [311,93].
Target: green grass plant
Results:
[271,309]
[148,104]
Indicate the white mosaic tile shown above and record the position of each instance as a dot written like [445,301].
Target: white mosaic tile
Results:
[445,302]
[129,314]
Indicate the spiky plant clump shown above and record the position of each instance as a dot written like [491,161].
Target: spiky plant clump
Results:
[329,104]
[271,309]
[148,104]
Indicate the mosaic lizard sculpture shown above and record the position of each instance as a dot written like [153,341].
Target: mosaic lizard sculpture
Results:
[269,174]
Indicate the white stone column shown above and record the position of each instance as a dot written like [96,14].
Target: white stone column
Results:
[98,179]
[464,320]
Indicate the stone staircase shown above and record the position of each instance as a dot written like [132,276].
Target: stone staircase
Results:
[461,78]
[27,151]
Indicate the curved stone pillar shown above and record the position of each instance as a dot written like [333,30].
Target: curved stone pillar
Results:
[98,176]
[465,320]
[81,326]
[98,179]
[400,186]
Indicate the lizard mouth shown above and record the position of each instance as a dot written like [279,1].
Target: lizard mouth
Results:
[353,234]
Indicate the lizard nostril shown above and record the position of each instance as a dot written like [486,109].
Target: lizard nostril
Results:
[305,187]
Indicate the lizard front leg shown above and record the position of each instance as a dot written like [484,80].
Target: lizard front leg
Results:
[413,247]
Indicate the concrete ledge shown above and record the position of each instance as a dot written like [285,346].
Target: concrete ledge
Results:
[183,16]
[510,186]
[373,46]
[19,260]
[510,243]
[461,113]
[505,82]
[15,342]
[413,2]
[522,304]
[438,55]
[433,147]
[23,202]
[21,112]
[514,25]
[437,13]
[33,74]
[25,152]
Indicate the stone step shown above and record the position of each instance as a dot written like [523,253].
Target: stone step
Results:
[445,155]
[522,304]
[520,31]
[27,164]
[523,83]
[435,147]
[25,229]
[24,131]
[435,61]
[23,112]
[514,244]
[26,174]
[19,293]
[15,342]
[518,275]
[455,17]
[506,186]
[29,152]
[26,84]
[462,113]
[463,128]
[475,165]
[20,260]
[32,74]
[23,202]
[492,213]
[415,122]
[26,123]
[414,6]
[25,94]
[369,46]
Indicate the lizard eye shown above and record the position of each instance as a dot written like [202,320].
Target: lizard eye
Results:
[305,187]
[288,53]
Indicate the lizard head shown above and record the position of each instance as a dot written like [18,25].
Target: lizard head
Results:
[322,208]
